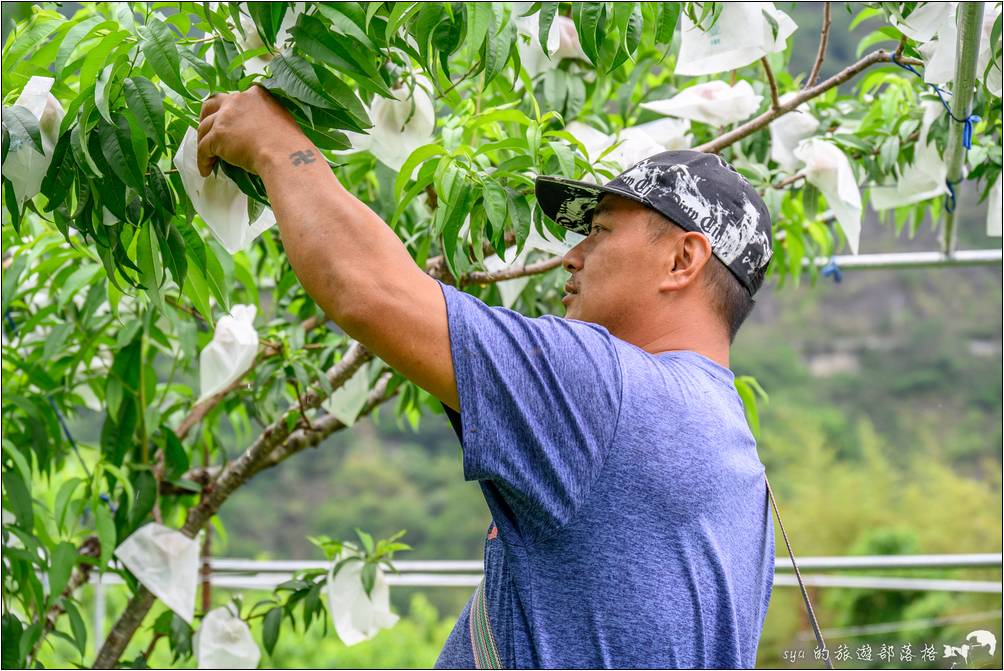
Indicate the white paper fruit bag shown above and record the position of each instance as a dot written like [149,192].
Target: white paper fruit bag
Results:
[714,103]
[400,126]
[741,35]
[356,615]
[218,200]
[924,178]
[167,563]
[24,166]
[787,132]
[224,641]
[230,353]
[827,168]
[348,400]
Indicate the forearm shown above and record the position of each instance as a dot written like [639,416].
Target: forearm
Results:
[343,253]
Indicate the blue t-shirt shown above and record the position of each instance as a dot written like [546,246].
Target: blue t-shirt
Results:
[630,521]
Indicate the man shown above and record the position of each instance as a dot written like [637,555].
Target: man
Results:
[630,515]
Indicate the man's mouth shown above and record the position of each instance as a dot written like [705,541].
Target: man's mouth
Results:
[570,292]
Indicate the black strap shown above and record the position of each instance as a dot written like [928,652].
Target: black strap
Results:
[798,575]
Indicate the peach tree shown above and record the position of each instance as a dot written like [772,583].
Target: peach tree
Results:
[159,305]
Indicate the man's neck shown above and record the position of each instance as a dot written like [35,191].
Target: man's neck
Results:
[702,335]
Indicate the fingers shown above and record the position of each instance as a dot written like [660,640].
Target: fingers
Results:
[206,157]
[206,125]
[211,104]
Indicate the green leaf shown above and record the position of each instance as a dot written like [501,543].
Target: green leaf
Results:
[366,539]
[27,38]
[63,559]
[11,276]
[172,250]
[345,54]
[478,22]
[197,291]
[75,36]
[270,628]
[343,25]
[159,47]
[78,142]
[146,496]
[565,156]
[544,20]
[267,17]
[148,260]
[77,626]
[102,61]
[19,495]
[181,637]
[399,14]
[497,48]
[144,101]
[668,18]
[416,158]
[175,457]
[117,150]
[59,176]
[105,527]
[296,77]
[12,629]
[495,204]
[63,496]
[587,17]
[340,92]
[369,577]
[23,127]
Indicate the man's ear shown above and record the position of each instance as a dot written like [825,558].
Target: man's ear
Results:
[687,255]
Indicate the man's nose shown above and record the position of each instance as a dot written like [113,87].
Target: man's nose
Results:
[572,260]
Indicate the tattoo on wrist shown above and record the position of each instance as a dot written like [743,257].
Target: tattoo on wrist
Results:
[302,157]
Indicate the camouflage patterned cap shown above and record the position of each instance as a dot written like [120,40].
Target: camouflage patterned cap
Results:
[696,191]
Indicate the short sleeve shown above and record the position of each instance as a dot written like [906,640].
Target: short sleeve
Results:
[539,403]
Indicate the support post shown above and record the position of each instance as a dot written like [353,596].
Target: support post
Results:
[99,613]
[970,22]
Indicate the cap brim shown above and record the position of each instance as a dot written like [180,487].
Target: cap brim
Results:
[570,203]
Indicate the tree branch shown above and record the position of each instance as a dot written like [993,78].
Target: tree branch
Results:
[774,102]
[788,181]
[200,410]
[802,96]
[325,426]
[824,37]
[480,277]
[233,476]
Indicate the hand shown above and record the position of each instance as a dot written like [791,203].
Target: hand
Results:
[245,128]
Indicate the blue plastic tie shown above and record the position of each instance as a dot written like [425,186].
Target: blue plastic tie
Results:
[950,201]
[967,126]
[107,499]
[831,269]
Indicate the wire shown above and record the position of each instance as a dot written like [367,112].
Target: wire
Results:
[903,625]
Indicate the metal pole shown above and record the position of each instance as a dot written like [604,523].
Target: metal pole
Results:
[970,22]
[99,614]
[967,257]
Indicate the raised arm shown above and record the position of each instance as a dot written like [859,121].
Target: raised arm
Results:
[346,257]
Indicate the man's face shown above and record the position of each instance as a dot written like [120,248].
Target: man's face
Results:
[616,268]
